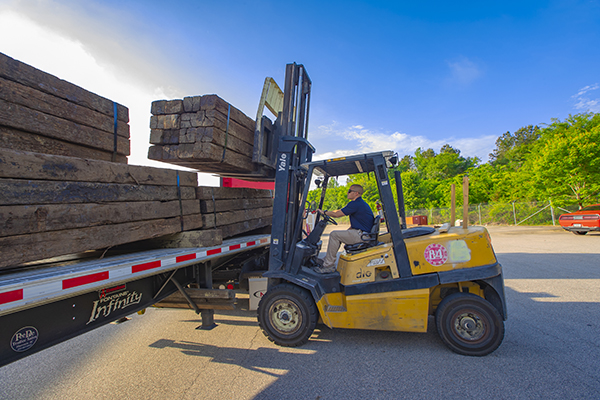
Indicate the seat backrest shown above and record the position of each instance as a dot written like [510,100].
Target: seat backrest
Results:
[373,236]
[375,228]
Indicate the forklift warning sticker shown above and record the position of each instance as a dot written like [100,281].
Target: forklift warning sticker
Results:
[436,254]
[24,339]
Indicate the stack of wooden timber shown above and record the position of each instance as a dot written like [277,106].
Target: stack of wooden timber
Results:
[60,195]
[202,132]
[42,113]
[235,210]
[55,205]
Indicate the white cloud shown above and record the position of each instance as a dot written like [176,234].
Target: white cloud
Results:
[355,140]
[70,59]
[583,100]
[463,71]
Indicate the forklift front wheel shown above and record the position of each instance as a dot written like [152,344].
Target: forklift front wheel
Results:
[287,315]
[469,324]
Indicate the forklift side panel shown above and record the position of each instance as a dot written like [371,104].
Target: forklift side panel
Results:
[405,311]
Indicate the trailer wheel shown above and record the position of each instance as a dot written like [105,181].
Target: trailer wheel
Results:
[469,324]
[287,315]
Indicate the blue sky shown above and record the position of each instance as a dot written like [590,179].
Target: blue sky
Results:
[386,75]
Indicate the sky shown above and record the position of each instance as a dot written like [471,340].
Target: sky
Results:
[386,75]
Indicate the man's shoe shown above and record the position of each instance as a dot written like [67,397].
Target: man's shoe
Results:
[323,270]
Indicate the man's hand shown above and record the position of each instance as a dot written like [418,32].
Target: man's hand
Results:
[334,214]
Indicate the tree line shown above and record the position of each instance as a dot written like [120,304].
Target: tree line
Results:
[558,161]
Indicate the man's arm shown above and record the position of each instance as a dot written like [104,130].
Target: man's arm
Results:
[334,214]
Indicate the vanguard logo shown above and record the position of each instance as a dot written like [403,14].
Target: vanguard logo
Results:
[106,305]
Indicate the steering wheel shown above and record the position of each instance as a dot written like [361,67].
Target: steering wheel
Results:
[327,218]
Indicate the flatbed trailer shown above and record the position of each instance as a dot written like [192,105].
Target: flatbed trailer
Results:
[41,306]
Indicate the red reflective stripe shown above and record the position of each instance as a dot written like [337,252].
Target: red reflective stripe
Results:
[185,258]
[144,267]
[214,251]
[13,295]
[252,243]
[235,246]
[84,280]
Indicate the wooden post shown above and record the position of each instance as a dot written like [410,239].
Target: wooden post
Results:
[465,223]
[452,204]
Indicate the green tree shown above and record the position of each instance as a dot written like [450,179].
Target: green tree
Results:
[565,162]
[513,149]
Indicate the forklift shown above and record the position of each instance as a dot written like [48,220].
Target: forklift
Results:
[392,281]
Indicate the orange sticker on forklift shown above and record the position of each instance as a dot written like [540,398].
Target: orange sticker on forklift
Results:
[436,254]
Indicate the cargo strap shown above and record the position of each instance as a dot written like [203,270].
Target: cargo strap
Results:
[214,208]
[180,203]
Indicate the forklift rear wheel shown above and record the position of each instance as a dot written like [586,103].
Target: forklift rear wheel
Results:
[469,324]
[287,315]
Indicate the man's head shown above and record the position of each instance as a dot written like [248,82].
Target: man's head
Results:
[355,191]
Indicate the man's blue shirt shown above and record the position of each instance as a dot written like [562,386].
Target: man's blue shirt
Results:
[361,216]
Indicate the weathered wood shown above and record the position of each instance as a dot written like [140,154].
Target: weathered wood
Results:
[222,193]
[199,238]
[26,141]
[198,154]
[214,102]
[27,75]
[232,217]
[208,206]
[17,191]
[29,165]
[20,249]
[245,226]
[162,107]
[203,119]
[27,219]
[202,103]
[34,99]
[202,135]
[23,118]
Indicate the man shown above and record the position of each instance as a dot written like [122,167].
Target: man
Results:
[361,220]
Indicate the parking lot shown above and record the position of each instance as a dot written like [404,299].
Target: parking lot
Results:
[551,348]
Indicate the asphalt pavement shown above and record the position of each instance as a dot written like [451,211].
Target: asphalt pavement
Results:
[551,348]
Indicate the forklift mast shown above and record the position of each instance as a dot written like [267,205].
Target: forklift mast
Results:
[293,150]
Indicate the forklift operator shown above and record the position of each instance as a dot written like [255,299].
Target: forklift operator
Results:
[361,220]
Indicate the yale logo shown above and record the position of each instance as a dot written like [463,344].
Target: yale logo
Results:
[282,162]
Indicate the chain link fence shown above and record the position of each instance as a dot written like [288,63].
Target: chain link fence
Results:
[534,213]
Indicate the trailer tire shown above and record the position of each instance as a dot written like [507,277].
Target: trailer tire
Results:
[287,315]
[469,324]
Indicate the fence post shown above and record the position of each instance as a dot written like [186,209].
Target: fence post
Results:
[514,212]
[479,210]
[452,205]
[465,223]
[552,212]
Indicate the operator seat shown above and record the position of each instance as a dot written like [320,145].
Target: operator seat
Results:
[371,239]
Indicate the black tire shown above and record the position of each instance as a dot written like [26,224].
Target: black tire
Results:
[287,315]
[469,324]
[579,232]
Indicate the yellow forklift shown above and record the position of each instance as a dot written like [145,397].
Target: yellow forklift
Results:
[392,281]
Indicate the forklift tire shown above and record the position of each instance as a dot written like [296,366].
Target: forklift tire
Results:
[469,324]
[287,315]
